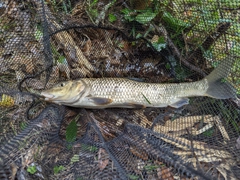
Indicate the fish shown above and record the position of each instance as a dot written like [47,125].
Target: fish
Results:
[99,93]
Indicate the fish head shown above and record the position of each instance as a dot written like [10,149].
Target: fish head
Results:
[65,92]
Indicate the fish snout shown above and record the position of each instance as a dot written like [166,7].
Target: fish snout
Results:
[47,96]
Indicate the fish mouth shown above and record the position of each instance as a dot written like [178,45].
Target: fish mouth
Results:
[48,97]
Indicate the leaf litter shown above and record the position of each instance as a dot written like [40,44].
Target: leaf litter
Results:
[117,58]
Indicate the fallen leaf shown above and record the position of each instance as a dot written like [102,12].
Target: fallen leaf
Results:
[54,77]
[225,171]
[103,159]
[33,83]
[87,47]
[23,62]
[6,101]
[222,129]
[165,173]
[138,153]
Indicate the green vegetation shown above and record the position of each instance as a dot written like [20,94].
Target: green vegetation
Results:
[61,6]
[37,154]
[32,169]
[38,33]
[174,24]
[57,56]
[79,178]
[112,18]
[235,76]
[133,177]
[86,147]
[23,125]
[146,99]
[188,24]
[71,131]
[208,133]
[229,115]
[151,167]
[6,26]
[75,158]
[92,9]
[141,16]
[57,169]
[159,44]
[95,15]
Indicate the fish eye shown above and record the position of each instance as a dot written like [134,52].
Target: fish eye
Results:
[61,84]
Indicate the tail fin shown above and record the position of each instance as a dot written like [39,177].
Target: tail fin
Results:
[219,88]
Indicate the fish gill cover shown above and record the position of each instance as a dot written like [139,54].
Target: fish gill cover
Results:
[43,43]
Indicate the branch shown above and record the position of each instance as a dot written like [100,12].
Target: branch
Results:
[176,52]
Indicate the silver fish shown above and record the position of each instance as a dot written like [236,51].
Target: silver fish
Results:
[98,93]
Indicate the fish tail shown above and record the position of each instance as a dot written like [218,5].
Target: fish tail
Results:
[218,86]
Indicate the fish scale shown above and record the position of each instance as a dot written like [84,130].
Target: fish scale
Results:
[125,91]
[98,93]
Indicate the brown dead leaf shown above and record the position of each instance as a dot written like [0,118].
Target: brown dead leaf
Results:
[64,70]
[87,47]
[165,173]
[33,83]
[70,113]
[19,75]
[72,52]
[178,126]
[77,73]
[222,129]
[78,9]
[54,77]
[14,169]
[139,153]
[155,39]
[105,129]
[103,159]
[149,63]
[28,65]
[144,121]
[30,154]
[125,46]
[225,171]
[21,62]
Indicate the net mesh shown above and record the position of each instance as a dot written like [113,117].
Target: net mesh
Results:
[46,42]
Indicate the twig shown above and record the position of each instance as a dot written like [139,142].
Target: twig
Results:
[213,37]
[175,50]
[192,149]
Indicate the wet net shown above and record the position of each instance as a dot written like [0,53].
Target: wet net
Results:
[43,43]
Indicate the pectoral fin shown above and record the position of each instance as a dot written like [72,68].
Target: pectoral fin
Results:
[181,102]
[100,100]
